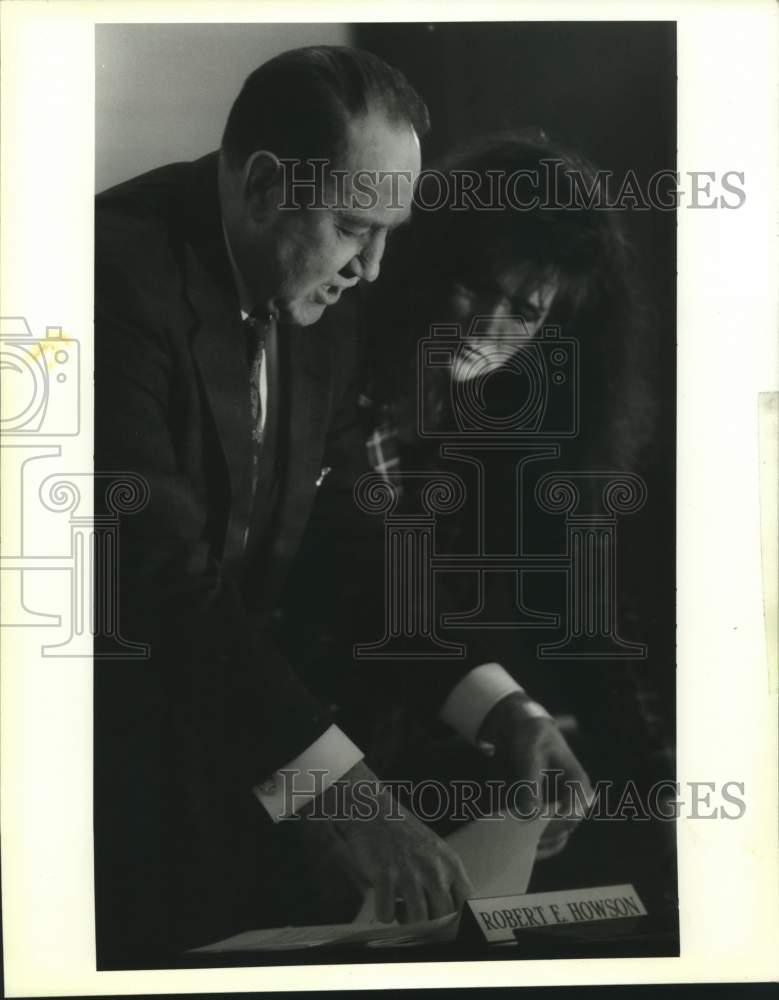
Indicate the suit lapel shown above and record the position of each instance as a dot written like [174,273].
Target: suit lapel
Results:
[220,353]
[303,360]
[218,343]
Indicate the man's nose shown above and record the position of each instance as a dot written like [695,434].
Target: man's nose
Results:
[367,264]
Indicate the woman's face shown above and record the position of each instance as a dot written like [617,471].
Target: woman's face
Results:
[496,319]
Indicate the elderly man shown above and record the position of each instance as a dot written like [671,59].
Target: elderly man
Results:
[210,385]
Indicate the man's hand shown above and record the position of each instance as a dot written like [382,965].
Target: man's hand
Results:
[415,874]
[526,746]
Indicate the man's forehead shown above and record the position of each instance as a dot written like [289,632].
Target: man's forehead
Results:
[383,195]
[382,155]
[372,177]
[372,141]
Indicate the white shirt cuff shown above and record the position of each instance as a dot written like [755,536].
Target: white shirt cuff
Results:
[291,787]
[471,699]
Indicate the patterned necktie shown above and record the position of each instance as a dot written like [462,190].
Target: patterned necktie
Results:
[256,330]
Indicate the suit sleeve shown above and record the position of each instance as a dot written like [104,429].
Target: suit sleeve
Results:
[223,682]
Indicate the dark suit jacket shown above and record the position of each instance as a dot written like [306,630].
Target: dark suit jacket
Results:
[181,738]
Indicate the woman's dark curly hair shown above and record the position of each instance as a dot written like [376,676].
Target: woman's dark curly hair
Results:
[563,235]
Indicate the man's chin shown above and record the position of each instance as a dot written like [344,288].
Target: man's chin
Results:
[300,313]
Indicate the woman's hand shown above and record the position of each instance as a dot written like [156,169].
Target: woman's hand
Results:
[531,750]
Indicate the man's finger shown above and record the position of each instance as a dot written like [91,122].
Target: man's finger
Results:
[524,799]
[415,909]
[552,848]
[439,901]
[560,826]
[577,797]
[385,901]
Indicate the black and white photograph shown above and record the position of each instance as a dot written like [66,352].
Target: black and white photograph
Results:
[390,373]
[377,579]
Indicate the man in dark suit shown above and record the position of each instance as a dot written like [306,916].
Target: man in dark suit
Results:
[218,382]
[209,386]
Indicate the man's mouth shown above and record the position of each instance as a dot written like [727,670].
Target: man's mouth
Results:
[327,295]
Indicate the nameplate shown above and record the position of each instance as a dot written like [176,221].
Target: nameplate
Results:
[498,918]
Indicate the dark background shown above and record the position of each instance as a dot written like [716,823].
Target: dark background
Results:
[604,89]
[607,89]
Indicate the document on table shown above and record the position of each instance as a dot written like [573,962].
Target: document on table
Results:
[289,938]
[498,853]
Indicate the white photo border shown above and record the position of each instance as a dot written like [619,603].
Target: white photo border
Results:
[727,323]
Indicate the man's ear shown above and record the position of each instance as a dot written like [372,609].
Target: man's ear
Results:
[260,173]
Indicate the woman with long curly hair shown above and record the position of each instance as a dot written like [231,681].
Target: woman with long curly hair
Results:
[510,252]
[523,243]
